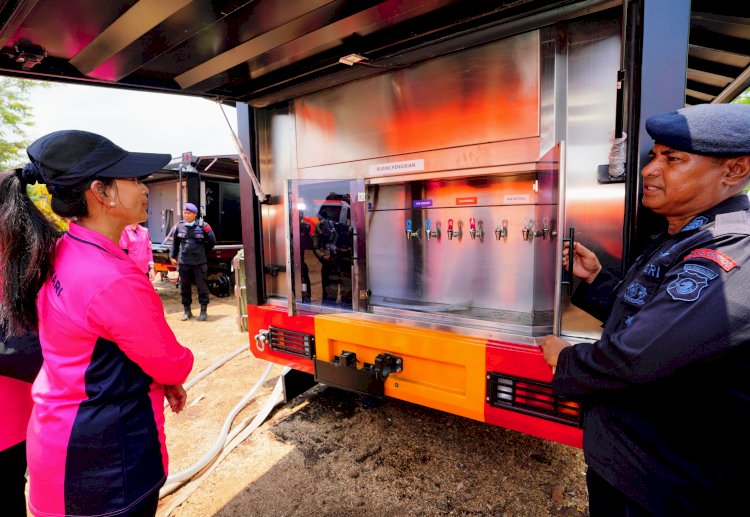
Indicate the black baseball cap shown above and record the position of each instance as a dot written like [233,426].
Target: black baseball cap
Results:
[69,157]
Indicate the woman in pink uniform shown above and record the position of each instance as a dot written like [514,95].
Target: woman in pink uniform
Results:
[20,359]
[136,242]
[95,441]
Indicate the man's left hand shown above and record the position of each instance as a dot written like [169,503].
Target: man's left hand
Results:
[551,347]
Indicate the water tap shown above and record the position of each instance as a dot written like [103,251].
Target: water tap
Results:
[409,232]
[501,230]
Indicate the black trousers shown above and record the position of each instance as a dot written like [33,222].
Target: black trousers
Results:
[607,501]
[190,275]
[147,508]
[13,480]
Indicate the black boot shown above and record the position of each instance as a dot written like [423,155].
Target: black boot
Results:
[188,314]
[203,315]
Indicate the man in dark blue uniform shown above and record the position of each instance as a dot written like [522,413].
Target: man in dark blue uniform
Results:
[666,390]
[331,242]
[192,240]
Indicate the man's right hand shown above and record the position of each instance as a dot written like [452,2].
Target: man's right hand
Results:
[585,263]
[173,261]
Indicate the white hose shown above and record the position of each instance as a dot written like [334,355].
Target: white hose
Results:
[221,440]
[221,362]
[276,398]
[214,366]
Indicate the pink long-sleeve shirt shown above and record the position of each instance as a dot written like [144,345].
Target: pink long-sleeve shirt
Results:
[138,244]
[95,442]
[15,406]
[15,387]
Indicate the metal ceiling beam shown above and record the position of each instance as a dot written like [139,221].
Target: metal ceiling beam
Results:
[735,88]
[707,89]
[444,43]
[16,18]
[256,46]
[705,97]
[699,76]
[368,22]
[702,37]
[718,56]
[714,67]
[134,23]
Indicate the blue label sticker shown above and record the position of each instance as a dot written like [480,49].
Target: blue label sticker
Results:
[635,294]
[690,282]
[695,223]
[421,203]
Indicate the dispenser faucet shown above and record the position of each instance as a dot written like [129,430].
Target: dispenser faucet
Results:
[474,230]
[527,230]
[409,233]
[428,230]
[501,230]
[455,233]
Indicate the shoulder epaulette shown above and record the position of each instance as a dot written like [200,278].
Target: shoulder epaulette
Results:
[733,223]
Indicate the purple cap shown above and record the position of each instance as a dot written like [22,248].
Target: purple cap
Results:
[191,207]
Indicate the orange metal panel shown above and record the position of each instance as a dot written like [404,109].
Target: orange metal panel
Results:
[264,316]
[441,370]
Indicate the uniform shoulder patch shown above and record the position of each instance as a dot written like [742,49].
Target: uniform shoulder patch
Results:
[726,263]
[207,227]
[690,282]
[695,223]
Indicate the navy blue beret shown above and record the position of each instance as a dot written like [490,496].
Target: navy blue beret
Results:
[712,129]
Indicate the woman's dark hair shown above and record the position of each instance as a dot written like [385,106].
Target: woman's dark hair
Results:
[27,247]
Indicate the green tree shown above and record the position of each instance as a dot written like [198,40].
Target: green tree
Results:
[15,117]
[743,98]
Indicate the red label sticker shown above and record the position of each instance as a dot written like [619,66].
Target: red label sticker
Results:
[466,201]
[726,263]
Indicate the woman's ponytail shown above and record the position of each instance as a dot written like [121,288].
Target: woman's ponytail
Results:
[27,247]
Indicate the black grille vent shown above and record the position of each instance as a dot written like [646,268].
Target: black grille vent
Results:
[532,398]
[291,342]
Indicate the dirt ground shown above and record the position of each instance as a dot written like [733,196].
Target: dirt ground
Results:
[332,453]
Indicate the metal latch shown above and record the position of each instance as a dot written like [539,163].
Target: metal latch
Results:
[386,364]
[344,373]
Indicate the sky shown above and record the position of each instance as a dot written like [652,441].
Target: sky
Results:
[136,121]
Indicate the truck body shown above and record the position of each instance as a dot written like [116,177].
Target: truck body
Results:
[422,164]
[212,184]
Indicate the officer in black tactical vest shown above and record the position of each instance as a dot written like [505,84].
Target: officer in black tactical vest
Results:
[192,241]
